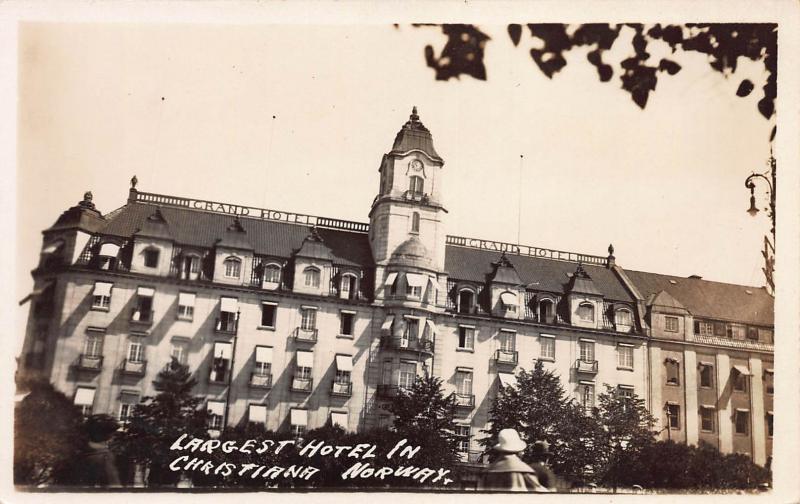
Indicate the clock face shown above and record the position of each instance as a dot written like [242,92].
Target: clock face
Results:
[415,165]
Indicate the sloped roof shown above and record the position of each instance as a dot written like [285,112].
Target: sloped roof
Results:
[664,299]
[715,300]
[414,135]
[581,283]
[539,274]
[272,238]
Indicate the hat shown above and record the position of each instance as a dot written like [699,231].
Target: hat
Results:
[508,441]
[541,448]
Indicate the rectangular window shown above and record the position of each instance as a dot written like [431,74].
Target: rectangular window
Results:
[587,396]
[739,375]
[673,371]
[736,331]
[257,413]
[586,312]
[216,414]
[466,337]
[127,403]
[412,328]
[339,419]
[625,356]
[752,333]
[703,328]
[769,381]
[507,340]
[221,361]
[463,434]
[547,347]
[464,382]
[268,311]
[346,323]
[706,375]
[586,351]
[625,391]
[766,336]
[769,423]
[386,374]
[151,258]
[305,362]
[186,305]
[707,419]
[308,320]
[674,416]
[94,346]
[671,324]
[263,361]
[101,296]
[180,351]
[84,399]
[135,350]
[742,421]
[298,419]
[413,291]
[407,375]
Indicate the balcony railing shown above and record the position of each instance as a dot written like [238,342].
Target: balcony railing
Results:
[263,381]
[506,357]
[586,366]
[226,325]
[412,344]
[144,317]
[302,384]
[306,335]
[465,400]
[134,368]
[414,195]
[90,363]
[342,389]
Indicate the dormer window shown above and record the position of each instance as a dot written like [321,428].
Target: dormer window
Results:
[586,312]
[311,276]
[107,257]
[546,311]
[509,301]
[466,301]
[189,267]
[272,274]
[416,185]
[233,267]
[415,222]
[151,258]
[348,286]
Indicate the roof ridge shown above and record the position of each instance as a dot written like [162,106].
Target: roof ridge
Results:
[677,277]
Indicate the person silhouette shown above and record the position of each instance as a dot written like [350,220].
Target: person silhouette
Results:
[508,472]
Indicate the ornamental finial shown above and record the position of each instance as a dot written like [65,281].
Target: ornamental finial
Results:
[414,116]
[134,181]
[611,249]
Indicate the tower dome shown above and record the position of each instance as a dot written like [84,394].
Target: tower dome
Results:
[411,253]
[414,136]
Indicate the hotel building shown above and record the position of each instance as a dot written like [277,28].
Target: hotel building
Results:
[293,320]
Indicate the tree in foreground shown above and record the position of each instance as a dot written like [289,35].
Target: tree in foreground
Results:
[158,421]
[48,436]
[539,409]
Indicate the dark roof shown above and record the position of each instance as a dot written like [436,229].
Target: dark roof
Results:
[504,272]
[414,135]
[411,252]
[83,216]
[272,238]
[714,300]
[582,283]
[539,274]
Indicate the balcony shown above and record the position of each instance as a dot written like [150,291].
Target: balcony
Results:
[305,335]
[465,401]
[411,344]
[226,325]
[506,357]
[143,317]
[260,381]
[90,363]
[342,389]
[586,366]
[133,368]
[302,384]
[389,391]
[221,377]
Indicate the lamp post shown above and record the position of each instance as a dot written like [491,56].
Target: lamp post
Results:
[769,246]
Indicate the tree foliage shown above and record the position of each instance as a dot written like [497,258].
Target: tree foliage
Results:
[722,43]
[48,437]
[158,421]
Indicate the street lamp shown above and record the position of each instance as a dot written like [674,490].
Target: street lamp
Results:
[769,246]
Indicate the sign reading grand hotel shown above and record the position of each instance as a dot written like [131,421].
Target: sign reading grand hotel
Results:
[311,220]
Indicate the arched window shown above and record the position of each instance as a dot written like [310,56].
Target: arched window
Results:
[272,273]
[416,185]
[623,318]
[311,276]
[466,301]
[546,311]
[586,312]
[415,222]
[233,267]
[347,286]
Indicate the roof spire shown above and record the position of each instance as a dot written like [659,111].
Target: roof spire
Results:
[414,117]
